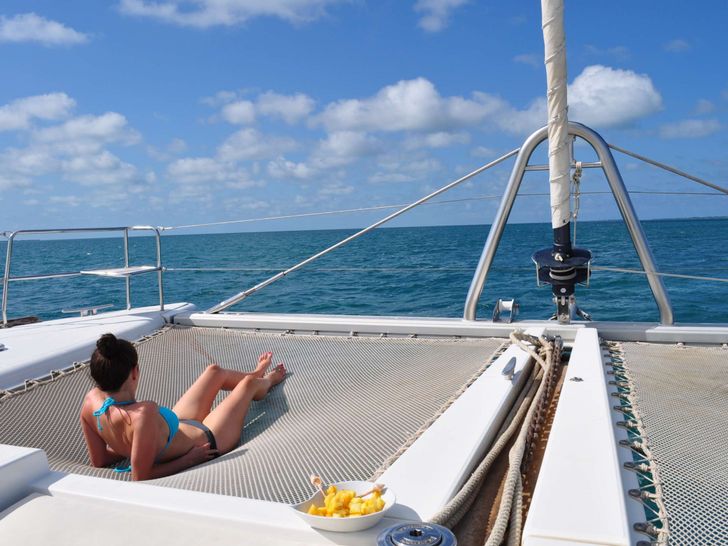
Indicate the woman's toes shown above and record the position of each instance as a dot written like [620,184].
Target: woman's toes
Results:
[264,360]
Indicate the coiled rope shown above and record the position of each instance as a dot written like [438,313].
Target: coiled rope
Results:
[520,418]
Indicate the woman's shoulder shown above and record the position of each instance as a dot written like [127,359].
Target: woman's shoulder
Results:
[145,408]
[91,400]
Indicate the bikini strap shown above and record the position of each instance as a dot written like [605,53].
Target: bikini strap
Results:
[106,405]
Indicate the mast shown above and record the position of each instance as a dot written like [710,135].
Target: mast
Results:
[560,266]
[552,23]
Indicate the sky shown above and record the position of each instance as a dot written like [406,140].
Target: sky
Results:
[178,112]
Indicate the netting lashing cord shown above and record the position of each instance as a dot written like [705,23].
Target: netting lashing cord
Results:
[643,463]
[518,419]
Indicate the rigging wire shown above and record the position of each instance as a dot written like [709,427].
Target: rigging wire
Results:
[641,272]
[670,169]
[434,269]
[441,202]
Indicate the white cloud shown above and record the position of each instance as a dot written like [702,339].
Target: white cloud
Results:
[704,106]
[482,151]
[102,168]
[436,13]
[440,139]
[29,161]
[290,108]
[19,113]
[29,27]
[208,13]
[68,200]
[409,105]
[239,113]
[284,168]
[530,59]
[600,96]
[175,147]
[690,128]
[403,169]
[335,188]
[677,46]
[251,144]
[93,130]
[394,178]
[344,147]
[609,97]
[73,149]
[199,170]
[11,180]
[219,98]
[336,150]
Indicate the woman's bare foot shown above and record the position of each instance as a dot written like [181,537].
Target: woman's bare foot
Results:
[277,374]
[270,380]
[264,361]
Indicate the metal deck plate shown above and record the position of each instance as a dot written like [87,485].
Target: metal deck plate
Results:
[347,405]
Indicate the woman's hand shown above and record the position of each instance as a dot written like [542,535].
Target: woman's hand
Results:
[200,454]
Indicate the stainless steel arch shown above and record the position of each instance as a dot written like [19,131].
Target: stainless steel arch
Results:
[616,184]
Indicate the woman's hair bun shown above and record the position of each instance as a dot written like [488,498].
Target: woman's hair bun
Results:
[107,345]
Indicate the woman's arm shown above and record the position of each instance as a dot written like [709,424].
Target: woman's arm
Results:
[144,448]
[194,456]
[99,453]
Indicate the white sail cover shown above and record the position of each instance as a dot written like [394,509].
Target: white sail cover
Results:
[552,22]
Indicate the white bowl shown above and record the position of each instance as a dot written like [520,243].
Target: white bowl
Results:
[344,525]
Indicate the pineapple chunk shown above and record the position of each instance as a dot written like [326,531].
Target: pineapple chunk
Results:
[344,503]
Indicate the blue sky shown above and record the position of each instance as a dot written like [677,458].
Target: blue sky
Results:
[173,112]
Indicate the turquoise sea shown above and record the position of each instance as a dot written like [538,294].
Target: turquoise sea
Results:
[417,271]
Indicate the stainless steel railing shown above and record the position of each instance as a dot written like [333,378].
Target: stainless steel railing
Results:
[126,272]
[616,184]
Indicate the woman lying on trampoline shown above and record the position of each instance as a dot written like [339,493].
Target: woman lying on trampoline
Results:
[158,440]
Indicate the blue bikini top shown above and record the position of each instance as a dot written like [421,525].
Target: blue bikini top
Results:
[167,414]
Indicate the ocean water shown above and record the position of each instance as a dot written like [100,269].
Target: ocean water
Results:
[420,271]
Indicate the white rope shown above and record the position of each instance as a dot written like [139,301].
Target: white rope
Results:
[515,526]
[517,452]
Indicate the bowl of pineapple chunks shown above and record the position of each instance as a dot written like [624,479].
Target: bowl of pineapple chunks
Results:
[346,506]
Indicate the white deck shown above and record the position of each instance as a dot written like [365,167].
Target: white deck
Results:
[580,495]
[616,331]
[34,350]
